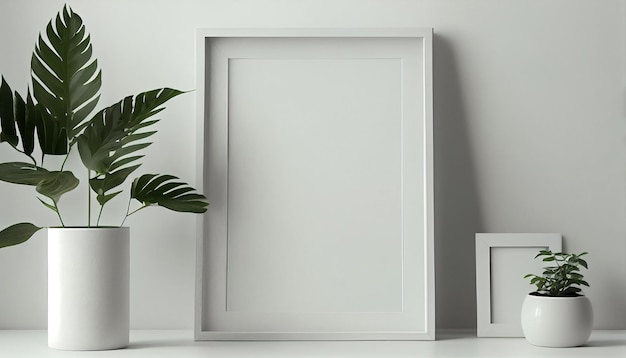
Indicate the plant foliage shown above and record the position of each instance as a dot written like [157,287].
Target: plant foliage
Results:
[563,279]
[58,116]
[154,189]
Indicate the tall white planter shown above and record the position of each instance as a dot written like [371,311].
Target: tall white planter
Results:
[88,288]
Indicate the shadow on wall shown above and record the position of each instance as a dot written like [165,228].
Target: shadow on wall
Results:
[457,206]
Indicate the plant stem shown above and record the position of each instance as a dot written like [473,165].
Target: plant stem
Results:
[65,160]
[127,210]
[88,200]
[33,159]
[143,207]
[99,215]
[129,214]
[28,155]
[58,213]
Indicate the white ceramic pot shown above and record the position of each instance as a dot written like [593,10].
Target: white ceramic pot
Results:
[88,288]
[557,321]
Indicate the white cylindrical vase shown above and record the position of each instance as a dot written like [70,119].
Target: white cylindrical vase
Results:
[88,288]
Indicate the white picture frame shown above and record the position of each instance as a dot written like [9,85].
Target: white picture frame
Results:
[252,277]
[502,260]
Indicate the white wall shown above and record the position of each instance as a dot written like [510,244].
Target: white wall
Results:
[529,116]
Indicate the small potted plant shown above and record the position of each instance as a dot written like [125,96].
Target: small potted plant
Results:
[558,314]
[88,266]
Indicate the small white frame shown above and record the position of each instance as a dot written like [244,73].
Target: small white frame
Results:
[509,275]
[415,317]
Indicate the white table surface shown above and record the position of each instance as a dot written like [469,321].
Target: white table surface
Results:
[180,344]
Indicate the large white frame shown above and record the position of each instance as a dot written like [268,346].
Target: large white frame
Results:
[508,271]
[213,320]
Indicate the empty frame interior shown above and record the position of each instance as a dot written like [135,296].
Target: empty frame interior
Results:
[316,159]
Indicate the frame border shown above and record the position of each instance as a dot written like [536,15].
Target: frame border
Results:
[484,243]
[202,79]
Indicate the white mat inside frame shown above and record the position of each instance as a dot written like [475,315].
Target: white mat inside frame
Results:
[316,157]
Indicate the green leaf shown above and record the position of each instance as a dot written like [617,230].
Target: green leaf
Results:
[101,185]
[112,133]
[22,173]
[123,151]
[13,110]
[155,180]
[26,117]
[49,206]
[17,234]
[93,155]
[544,253]
[7,116]
[563,278]
[570,291]
[56,184]
[535,280]
[66,79]
[110,142]
[153,189]
[103,199]
[51,134]
[124,161]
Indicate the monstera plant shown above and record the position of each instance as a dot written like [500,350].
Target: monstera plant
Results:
[57,117]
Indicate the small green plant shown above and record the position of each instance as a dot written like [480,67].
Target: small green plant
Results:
[561,280]
[57,117]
